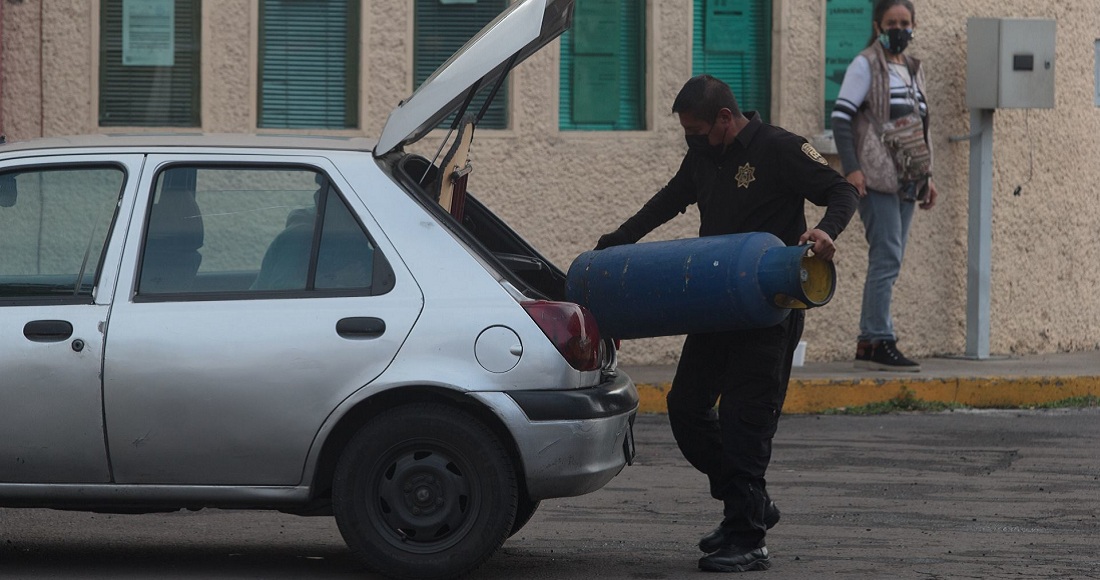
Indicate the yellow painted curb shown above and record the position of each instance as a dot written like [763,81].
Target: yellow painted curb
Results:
[817,395]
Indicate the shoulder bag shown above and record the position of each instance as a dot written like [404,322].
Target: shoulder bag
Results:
[905,140]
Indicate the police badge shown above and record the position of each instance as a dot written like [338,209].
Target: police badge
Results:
[813,154]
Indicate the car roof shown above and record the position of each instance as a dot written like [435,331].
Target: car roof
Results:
[152,141]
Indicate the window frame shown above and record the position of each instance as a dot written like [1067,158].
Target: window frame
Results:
[1096,72]
[77,298]
[764,65]
[352,71]
[627,120]
[383,275]
[107,46]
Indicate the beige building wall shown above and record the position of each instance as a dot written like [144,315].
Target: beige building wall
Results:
[561,190]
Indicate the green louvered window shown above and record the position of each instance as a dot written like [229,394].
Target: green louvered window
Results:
[149,63]
[847,28]
[441,28]
[309,64]
[731,40]
[602,76]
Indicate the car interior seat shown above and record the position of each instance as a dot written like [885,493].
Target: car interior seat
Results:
[286,262]
[172,257]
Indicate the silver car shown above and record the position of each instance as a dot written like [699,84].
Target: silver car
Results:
[313,325]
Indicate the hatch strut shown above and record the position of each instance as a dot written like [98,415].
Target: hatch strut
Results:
[466,105]
[496,87]
[454,125]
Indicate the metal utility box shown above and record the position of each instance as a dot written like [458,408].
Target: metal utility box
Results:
[1009,63]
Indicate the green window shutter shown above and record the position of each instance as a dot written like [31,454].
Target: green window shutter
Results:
[309,64]
[602,75]
[847,28]
[731,40]
[444,26]
[158,84]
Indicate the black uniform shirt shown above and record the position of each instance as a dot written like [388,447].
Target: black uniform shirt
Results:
[758,184]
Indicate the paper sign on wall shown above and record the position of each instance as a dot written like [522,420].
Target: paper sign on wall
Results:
[727,26]
[847,26]
[148,32]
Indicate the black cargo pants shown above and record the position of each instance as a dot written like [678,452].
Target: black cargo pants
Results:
[746,372]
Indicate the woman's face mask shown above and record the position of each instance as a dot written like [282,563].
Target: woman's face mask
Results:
[895,40]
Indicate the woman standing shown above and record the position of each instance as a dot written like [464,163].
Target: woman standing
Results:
[882,83]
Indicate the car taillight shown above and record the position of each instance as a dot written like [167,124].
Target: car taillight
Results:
[572,329]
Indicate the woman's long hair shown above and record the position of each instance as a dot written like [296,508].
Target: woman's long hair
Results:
[880,10]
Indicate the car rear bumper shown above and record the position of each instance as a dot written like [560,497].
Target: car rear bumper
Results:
[570,442]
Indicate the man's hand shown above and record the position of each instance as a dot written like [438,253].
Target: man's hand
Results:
[615,238]
[823,244]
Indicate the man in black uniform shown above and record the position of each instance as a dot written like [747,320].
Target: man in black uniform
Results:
[745,176]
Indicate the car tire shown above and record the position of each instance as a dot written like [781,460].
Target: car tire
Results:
[524,511]
[424,491]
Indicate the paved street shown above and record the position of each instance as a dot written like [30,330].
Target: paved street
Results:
[990,494]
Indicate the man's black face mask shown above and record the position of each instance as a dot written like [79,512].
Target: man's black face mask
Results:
[896,40]
[700,143]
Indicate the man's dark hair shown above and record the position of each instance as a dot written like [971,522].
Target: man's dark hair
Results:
[703,96]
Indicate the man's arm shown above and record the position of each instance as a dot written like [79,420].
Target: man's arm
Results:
[671,200]
[840,201]
[807,174]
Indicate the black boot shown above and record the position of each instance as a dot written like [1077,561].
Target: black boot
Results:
[720,537]
[734,559]
[883,356]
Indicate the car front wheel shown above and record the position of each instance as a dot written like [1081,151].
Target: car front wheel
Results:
[424,491]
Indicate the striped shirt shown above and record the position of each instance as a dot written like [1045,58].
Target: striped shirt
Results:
[857,82]
[853,91]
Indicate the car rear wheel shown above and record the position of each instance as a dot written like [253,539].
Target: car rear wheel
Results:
[424,491]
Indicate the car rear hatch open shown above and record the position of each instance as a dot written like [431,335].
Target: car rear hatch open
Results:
[517,33]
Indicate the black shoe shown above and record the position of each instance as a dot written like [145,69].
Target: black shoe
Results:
[883,356]
[735,559]
[720,537]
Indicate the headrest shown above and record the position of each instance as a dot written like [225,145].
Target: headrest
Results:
[177,219]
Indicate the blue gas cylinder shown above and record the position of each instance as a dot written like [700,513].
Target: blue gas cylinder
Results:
[709,284]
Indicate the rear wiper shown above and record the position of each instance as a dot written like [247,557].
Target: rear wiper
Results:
[519,262]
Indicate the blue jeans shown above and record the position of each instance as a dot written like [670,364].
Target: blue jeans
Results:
[886,221]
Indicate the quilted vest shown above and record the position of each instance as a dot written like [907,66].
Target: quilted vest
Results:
[875,160]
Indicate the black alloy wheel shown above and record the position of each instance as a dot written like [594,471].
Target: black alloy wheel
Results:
[425,491]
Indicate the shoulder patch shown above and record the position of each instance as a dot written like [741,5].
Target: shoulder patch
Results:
[813,154]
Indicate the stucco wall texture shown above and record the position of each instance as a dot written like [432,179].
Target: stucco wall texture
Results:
[562,189]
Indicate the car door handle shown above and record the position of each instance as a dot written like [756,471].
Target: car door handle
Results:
[361,327]
[48,330]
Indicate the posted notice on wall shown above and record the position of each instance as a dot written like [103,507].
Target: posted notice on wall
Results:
[148,32]
[847,25]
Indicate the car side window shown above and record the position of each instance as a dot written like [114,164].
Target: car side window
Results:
[224,231]
[54,224]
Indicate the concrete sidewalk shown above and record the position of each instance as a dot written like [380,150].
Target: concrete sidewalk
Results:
[995,382]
